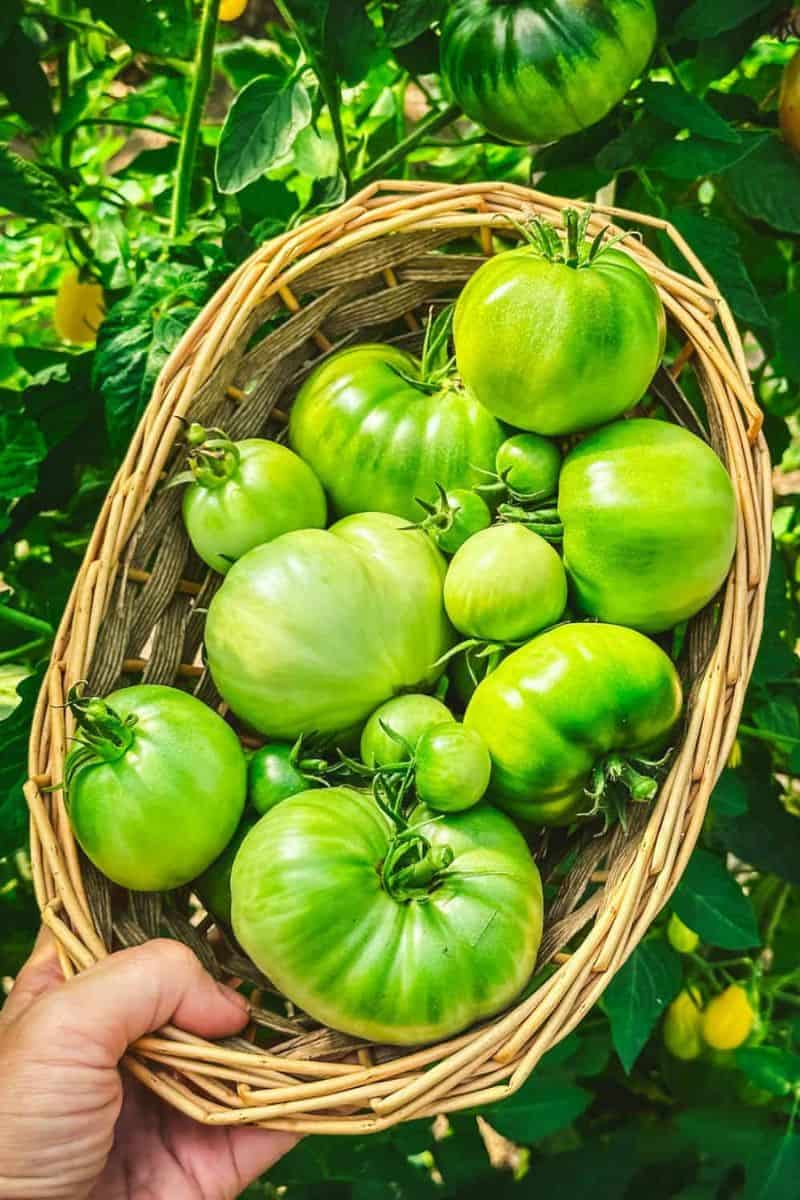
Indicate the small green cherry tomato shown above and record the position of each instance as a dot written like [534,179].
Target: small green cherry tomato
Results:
[529,465]
[452,767]
[468,513]
[681,937]
[244,494]
[155,785]
[408,717]
[505,584]
[649,516]
[273,775]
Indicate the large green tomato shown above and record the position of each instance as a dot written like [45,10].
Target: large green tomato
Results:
[649,517]
[554,347]
[155,784]
[245,494]
[394,944]
[316,629]
[378,442]
[505,584]
[536,70]
[406,716]
[573,699]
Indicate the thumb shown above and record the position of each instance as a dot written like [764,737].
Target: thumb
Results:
[135,992]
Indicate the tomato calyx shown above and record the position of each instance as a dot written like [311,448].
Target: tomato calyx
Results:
[213,458]
[452,517]
[103,736]
[616,779]
[574,250]
[436,363]
[481,656]
[412,868]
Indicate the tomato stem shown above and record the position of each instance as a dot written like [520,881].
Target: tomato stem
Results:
[213,457]
[103,733]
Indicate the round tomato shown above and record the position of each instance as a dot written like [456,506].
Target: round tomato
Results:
[557,342]
[213,887]
[399,938]
[452,767]
[456,516]
[536,70]
[576,701]
[529,466]
[155,785]
[378,438]
[79,308]
[728,1019]
[407,717]
[789,104]
[314,630]
[243,494]
[231,10]
[649,516]
[277,771]
[505,584]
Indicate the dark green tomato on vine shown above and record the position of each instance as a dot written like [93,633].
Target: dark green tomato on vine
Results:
[455,517]
[213,887]
[381,428]
[278,770]
[649,515]
[555,337]
[572,718]
[242,494]
[537,70]
[426,926]
[155,784]
[528,466]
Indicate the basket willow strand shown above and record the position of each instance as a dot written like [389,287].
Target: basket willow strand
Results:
[365,271]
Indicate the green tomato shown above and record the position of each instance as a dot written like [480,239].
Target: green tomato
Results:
[253,493]
[529,465]
[556,708]
[213,887]
[505,584]
[555,348]
[537,70]
[378,442]
[467,513]
[649,517]
[156,786]
[393,944]
[407,716]
[452,767]
[316,629]
[273,775]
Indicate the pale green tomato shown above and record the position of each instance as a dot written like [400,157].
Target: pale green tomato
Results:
[407,716]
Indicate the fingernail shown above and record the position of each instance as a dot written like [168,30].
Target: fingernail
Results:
[236,998]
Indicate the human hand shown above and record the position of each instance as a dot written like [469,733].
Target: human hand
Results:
[72,1125]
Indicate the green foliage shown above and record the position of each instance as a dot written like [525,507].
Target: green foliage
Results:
[309,100]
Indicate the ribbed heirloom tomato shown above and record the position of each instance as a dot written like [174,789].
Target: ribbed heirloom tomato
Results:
[400,938]
[649,517]
[155,785]
[311,632]
[536,70]
[378,436]
[242,494]
[576,707]
[557,338]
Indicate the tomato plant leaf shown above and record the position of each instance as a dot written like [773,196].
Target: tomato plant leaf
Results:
[773,1172]
[160,27]
[462,1158]
[352,43]
[717,246]
[766,186]
[28,191]
[14,731]
[543,1105]
[680,108]
[405,20]
[22,449]
[694,157]
[259,130]
[729,798]
[709,900]
[10,13]
[705,18]
[23,80]
[638,994]
[770,1068]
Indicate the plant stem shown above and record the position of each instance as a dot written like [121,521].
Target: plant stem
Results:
[124,123]
[29,294]
[776,913]
[201,81]
[767,735]
[12,616]
[423,129]
[65,149]
[18,651]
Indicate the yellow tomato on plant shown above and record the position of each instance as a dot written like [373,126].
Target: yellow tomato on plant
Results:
[79,308]
[681,937]
[728,1019]
[682,1025]
[789,104]
[231,10]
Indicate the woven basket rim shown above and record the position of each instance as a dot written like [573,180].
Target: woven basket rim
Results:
[220,1084]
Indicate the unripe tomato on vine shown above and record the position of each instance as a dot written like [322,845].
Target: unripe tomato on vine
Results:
[79,308]
[682,1024]
[789,104]
[728,1019]
[681,937]
[231,10]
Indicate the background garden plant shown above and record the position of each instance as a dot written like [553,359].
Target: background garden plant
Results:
[145,149]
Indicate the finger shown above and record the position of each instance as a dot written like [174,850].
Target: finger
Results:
[40,974]
[256,1150]
[135,992]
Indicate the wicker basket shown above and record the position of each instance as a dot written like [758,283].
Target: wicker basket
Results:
[366,271]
